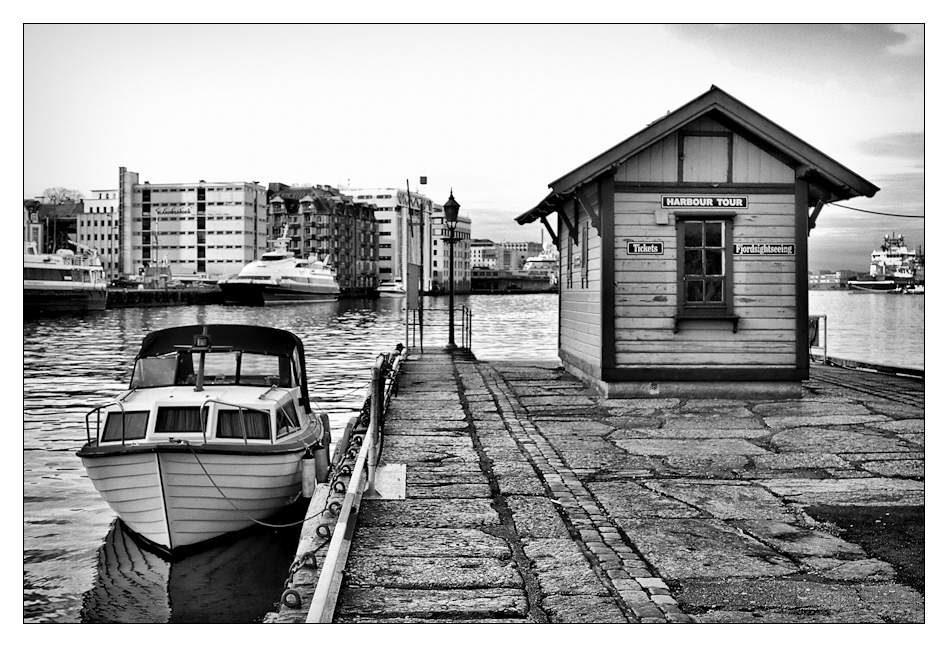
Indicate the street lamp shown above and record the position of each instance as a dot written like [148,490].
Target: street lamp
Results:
[451,208]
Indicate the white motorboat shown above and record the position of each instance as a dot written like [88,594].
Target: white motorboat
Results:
[210,437]
[62,282]
[393,288]
[280,277]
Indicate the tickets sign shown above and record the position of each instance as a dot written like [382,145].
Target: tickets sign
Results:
[704,201]
[655,247]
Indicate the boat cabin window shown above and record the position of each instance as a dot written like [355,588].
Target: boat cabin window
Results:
[179,420]
[232,423]
[136,422]
[287,420]
[154,371]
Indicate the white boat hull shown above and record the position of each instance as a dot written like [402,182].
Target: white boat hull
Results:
[176,499]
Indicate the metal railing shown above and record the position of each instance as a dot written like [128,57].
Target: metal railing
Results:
[361,482]
[438,319]
[814,336]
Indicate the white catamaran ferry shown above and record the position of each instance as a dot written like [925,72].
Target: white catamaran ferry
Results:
[280,277]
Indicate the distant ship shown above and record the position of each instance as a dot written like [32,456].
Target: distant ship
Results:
[280,277]
[894,268]
[62,282]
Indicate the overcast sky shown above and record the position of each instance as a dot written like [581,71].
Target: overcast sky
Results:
[495,112]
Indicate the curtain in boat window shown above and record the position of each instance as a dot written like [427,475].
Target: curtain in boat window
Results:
[135,424]
[179,419]
[257,424]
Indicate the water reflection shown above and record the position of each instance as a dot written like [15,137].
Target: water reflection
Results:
[236,580]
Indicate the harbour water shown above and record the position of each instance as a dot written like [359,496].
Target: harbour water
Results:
[80,566]
[874,327]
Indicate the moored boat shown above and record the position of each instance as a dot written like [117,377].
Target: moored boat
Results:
[874,286]
[280,277]
[64,282]
[209,438]
[392,288]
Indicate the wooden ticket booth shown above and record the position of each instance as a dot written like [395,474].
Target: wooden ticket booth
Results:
[683,254]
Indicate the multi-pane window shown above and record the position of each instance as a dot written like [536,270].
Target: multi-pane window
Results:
[704,263]
[705,284]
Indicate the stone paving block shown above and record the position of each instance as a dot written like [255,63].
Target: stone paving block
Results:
[429,513]
[859,570]
[581,609]
[622,499]
[777,617]
[836,441]
[689,548]
[725,500]
[696,447]
[795,460]
[561,568]
[902,469]
[735,418]
[779,422]
[455,473]
[580,428]
[451,604]
[427,572]
[800,541]
[529,485]
[894,602]
[910,425]
[769,594]
[536,517]
[864,491]
[431,542]
[448,491]
[425,427]
[703,432]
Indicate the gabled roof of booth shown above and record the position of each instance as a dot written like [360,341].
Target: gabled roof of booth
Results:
[837,181]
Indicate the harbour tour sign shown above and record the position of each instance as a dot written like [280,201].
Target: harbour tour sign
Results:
[764,249]
[704,201]
[645,248]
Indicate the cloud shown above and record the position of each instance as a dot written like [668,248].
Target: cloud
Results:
[906,145]
[913,42]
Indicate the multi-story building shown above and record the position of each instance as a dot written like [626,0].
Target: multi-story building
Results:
[487,254]
[200,228]
[98,228]
[440,254]
[404,222]
[825,280]
[321,221]
[522,251]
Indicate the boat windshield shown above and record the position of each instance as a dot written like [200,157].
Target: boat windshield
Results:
[220,368]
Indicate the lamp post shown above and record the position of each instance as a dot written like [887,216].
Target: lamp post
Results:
[451,208]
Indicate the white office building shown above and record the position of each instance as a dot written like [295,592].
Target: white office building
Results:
[199,228]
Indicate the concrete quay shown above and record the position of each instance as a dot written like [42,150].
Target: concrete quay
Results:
[530,499]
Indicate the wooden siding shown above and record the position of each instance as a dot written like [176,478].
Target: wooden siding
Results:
[581,305]
[657,163]
[764,298]
[749,164]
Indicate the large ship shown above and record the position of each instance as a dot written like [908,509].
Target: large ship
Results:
[893,268]
[62,282]
[280,277]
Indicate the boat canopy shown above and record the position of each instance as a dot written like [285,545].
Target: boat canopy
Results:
[259,340]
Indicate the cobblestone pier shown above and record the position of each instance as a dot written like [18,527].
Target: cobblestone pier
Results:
[530,499]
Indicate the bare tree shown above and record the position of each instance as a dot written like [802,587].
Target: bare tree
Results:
[58,195]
